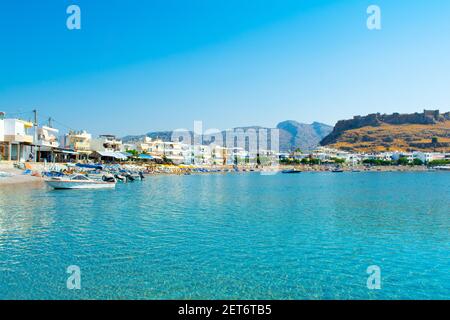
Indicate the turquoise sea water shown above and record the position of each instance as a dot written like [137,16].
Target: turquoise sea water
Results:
[236,236]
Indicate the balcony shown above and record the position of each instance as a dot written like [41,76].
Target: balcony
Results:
[19,138]
[47,143]
[81,146]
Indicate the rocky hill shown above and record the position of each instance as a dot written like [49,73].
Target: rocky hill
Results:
[293,135]
[300,135]
[425,131]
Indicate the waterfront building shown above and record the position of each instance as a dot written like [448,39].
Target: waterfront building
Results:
[3,144]
[269,157]
[47,143]
[106,143]
[219,155]
[408,155]
[129,147]
[80,142]
[144,145]
[326,154]
[174,152]
[15,142]
[107,147]
[202,154]
[154,147]
[239,155]
[427,157]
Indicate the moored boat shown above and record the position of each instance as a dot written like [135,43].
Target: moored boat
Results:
[78,181]
[291,171]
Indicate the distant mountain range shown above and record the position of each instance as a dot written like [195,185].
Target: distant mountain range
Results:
[293,135]
[307,137]
[427,131]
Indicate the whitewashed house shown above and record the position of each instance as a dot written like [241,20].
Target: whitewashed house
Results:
[47,143]
[16,142]
[107,147]
[427,157]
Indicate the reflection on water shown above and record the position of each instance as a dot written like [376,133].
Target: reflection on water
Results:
[244,236]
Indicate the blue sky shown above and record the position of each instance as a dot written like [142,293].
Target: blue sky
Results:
[139,66]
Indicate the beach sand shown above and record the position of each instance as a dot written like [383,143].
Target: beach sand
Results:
[17,176]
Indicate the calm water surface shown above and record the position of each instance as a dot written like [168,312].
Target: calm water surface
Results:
[246,236]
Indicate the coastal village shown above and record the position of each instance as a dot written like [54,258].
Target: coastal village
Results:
[32,147]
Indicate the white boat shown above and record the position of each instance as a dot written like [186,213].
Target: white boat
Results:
[442,168]
[78,181]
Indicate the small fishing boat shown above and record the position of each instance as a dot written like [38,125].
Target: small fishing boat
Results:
[120,178]
[291,171]
[78,181]
[337,170]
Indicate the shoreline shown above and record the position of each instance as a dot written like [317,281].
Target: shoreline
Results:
[15,176]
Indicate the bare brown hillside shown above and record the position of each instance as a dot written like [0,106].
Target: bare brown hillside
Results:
[389,137]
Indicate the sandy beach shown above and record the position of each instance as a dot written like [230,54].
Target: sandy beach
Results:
[15,176]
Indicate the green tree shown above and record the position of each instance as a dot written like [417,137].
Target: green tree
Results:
[338,160]
[442,162]
[133,152]
[403,161]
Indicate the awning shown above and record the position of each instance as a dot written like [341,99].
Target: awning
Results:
[69,152]
[57,150]
[115,155]
[127,154]
[145,157]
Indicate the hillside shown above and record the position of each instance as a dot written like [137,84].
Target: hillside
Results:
[300,135]
[376,133]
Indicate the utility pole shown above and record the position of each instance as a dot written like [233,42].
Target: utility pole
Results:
[35,134]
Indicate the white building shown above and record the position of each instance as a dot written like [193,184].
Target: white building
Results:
[15,140]
[47,137]
[328,154]
[202,154]
[408,155]
[106,143]
[427,157]
[107,147]
[176,152]
[154,147]
[47,143]
[3,144]
[220,155]
[239,155]
[129,146]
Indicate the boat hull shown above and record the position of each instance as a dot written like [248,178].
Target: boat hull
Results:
[68,184]
[291,171]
